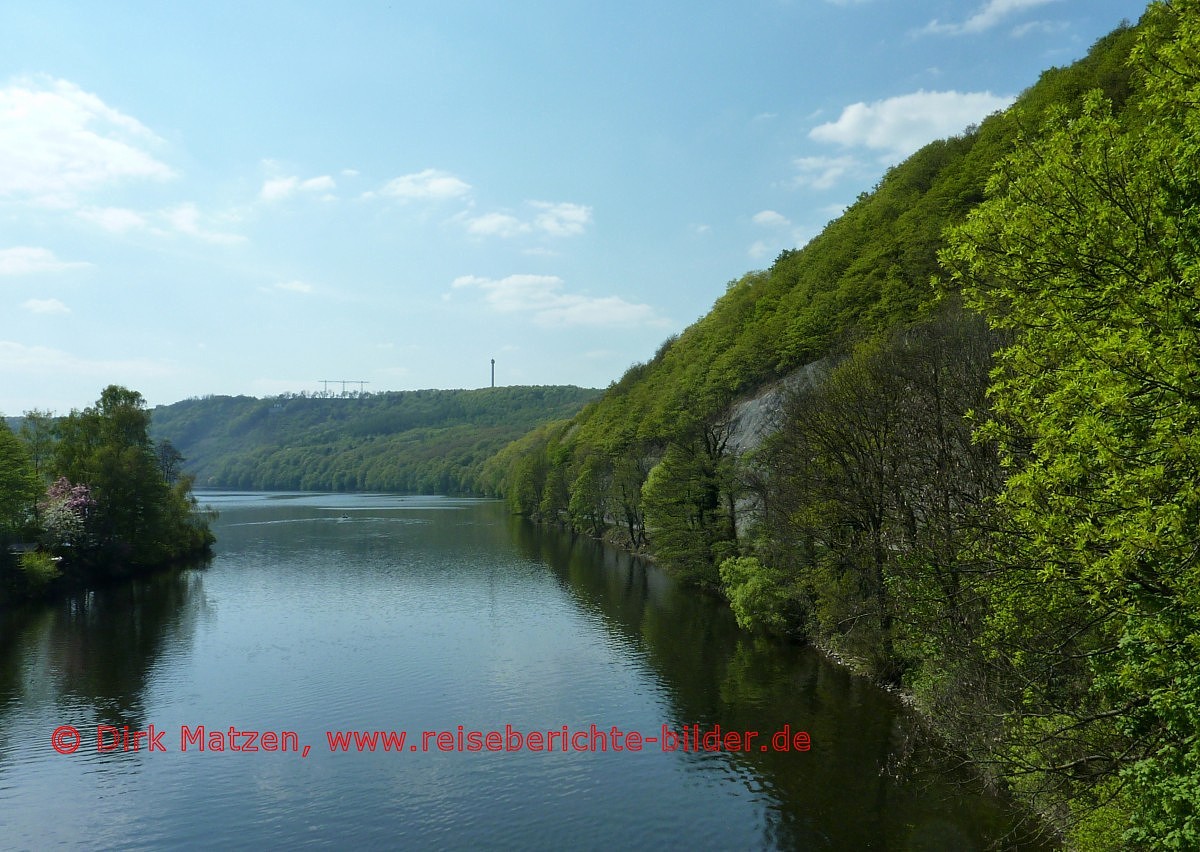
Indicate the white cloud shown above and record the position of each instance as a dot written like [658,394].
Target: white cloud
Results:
[295,287]
[771,219]
[990,15]
[1047,27]
[45,306]
[318,184]
[901,125]
[823,172]
[553,219]
[497,225]
[277,189]
[542,298]
[27,260]
[562,219]
[58,142]
[186,219]
[427,185]
[114,219]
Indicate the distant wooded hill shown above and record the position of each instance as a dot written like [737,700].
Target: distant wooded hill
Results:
[429,441]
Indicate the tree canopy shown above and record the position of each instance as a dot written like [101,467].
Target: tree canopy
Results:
[91,491]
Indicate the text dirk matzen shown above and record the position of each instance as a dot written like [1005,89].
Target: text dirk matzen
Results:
[67,739]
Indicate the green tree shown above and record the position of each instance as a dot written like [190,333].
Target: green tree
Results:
[18,484]
[588,493]
[760,596]
[139,517]
[39,432]
[1088,251]
[689,499]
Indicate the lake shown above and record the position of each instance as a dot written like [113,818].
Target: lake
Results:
[548,690]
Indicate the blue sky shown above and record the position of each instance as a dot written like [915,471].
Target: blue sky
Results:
[233,198]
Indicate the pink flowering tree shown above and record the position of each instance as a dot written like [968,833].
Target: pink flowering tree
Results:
[65,512]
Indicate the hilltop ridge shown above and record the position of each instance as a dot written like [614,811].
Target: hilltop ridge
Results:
[429,441]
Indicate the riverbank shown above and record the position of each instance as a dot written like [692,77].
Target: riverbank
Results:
[934,733]
[31,575]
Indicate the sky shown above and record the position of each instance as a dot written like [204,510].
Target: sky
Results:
[264,198]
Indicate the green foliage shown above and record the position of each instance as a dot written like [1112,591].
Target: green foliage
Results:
[689,499]
[874,488]
[1088,252]
[139,518]
[38,431]
[412,441]
[675,501]
[761,597]
[586,504]
[39,570]
[18,484]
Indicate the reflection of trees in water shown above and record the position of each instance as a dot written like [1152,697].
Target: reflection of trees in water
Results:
[868,778]
[96,649]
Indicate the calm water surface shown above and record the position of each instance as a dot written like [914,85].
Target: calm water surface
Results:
[382,613]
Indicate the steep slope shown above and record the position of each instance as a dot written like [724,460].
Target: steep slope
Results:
[868,271]
[981,489]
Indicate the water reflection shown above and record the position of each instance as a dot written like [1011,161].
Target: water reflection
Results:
[372,612]
[868,780]
[89,659]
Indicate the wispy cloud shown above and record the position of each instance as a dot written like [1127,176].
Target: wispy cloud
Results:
[187,219]
[823,172]
[58,143]
[900,125]
[991,14]
[771,219]
[427,185]
[114,219]
[546,218]
[562,219]
[295,287]
[758,250]
[1047,27]
[28,260]
[280,188]
[497,225]
[544,300]
[45,306]
[781,230]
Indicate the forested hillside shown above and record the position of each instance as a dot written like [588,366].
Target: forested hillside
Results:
[430,441]
[990,495]
[871,270]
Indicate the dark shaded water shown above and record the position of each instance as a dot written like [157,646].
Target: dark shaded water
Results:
[328,613]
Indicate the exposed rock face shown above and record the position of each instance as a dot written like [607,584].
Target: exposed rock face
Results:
[753,420]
